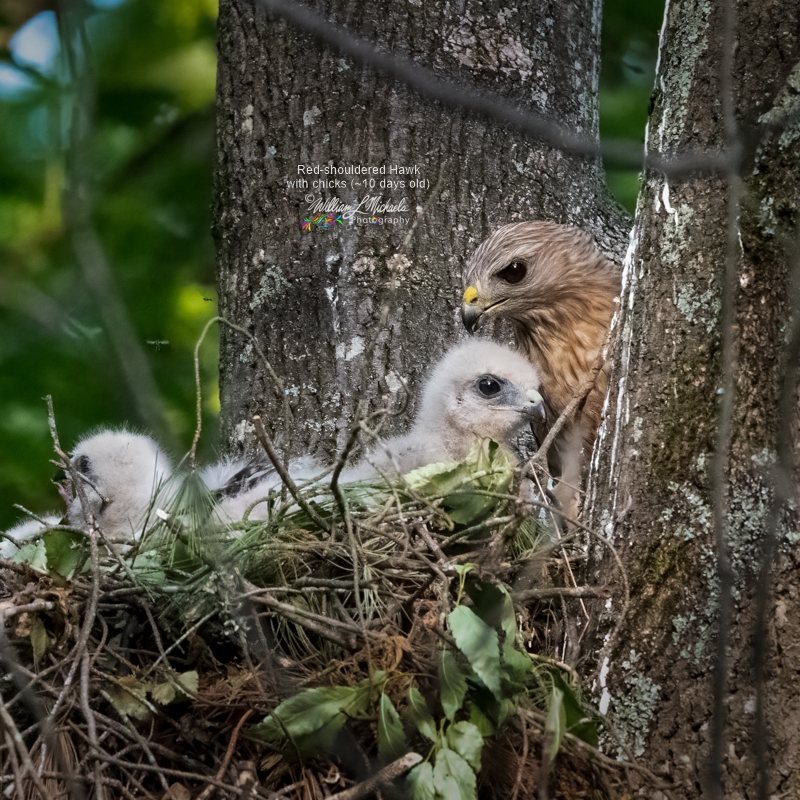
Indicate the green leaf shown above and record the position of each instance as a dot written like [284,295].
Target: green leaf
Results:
[518,663]
[478,642]
[420,779]
[420,715]
[391,738]
[64,550]
[486,467]
[33,553]
[175,688]
[39,641]
[580,723]
[453,685]
[128,697]
[508,708]
[453,777]
[375,683]
[556,724]
[311,719]
[441,477]
[468,508]
[187,684]
[149,568]
[163,693]
[466,740]
[484,725]
[493,604]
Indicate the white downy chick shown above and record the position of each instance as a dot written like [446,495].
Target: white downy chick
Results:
[123,473]
[240,483]
[25,530]
[478,390]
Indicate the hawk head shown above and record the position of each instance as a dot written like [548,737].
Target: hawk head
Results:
[537,275]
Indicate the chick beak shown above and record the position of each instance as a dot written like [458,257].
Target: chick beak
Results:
[471,310]
[535,409]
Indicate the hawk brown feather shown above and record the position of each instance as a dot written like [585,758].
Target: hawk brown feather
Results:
[559,292]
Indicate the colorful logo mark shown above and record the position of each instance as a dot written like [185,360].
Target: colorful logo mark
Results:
[322,222]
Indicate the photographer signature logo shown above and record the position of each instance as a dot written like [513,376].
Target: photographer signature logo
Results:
[327,214]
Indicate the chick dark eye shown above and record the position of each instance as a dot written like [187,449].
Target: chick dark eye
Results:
[83,465]
[489,387]
[514,272]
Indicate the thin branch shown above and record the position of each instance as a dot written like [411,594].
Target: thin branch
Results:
[88,713]
[562,591]
[86,244]
[524,759]
[382,778]
[198,391]
[24,754]
[451,94]
[209,790]
[269,449]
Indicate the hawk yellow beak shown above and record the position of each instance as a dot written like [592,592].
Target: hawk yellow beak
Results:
[471,311]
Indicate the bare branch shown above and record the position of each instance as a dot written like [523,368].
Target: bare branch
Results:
[381,778]
[269,449]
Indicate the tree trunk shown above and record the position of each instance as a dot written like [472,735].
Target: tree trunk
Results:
[653,481]
[313,298]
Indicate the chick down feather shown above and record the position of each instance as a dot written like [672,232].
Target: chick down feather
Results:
[478,390]
[123,474]
[243,485]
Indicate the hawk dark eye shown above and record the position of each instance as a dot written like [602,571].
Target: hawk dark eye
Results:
[489,387]
[514,272]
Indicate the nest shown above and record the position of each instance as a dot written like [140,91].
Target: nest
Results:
[372,639]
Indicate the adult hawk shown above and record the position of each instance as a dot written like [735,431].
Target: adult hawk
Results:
[559,292]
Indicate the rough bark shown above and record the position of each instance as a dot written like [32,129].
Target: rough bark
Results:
[651,490]
[313,299]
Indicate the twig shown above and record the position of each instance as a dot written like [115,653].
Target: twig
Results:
[562,591]
[719,462]
[524,759]
[784,487]
[382,778]
[287,609]
[433,545]
[266,443]
[140,739]
[209,790]
[198,391]
[179,641]
[24,754]
[86,244]
[12,753]
[9,610]
[83,655]
[656,782]
[449,93]
[176,773]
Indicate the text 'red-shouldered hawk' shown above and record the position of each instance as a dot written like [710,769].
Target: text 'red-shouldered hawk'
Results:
[559,292]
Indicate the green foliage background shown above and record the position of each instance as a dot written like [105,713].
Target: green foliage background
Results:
[152,163]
